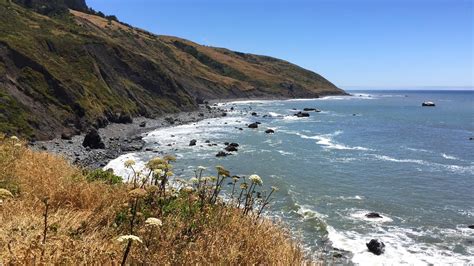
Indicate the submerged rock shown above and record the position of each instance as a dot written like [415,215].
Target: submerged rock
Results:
[470,226]
[431,104]
[373,215]
[269,131]
[142,124]
[253,125]
[376,246]
[222,154]
[301,114]
[93,140]
[192,142]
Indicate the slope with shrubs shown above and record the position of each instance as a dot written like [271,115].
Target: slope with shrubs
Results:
[73,69]
[53,212]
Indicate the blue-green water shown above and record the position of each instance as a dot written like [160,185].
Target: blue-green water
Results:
[376,151]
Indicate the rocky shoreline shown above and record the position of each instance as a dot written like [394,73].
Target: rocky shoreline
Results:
[120,138]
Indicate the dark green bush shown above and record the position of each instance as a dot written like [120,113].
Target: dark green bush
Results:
[106,176]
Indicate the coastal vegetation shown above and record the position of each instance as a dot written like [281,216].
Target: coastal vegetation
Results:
[54,212]
[65,67]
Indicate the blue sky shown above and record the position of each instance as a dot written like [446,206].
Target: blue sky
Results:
[376,43]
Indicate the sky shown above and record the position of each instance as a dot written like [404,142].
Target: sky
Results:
[366,43]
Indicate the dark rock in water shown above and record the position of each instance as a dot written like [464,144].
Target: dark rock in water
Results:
[254,114]
[231,148]
[258,123]
[294,109]
[222,154]
[269,131]
[233,144]
[301,114]
[309,109]
[470,226]
[241,128]
[373,215]
[471,138]
[430,104]
[170,120]
[192,142]
[142,124]
[93,140]
[253,125]
[232,108]
[376,246]
[224,114]
[226,143]
[207,141]
[66,136]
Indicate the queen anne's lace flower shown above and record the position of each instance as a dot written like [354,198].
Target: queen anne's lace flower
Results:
[202,168]
[256,179]
[153,222]
[194,180]
[129,237]
[129,163]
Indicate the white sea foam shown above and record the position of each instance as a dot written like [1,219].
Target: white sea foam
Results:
[327,141]
[400,248]
[449,157]
[285,152]
[118,165]
[433,166]
[360,215]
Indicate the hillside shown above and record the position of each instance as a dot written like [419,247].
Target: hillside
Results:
[67,70]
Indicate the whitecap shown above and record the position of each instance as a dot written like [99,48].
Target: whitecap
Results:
[449,157]
[400,248]
[285,152]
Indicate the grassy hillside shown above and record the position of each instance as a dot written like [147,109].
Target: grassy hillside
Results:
[67,71]
[54,213]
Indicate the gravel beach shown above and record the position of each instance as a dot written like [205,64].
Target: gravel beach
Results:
[120,138]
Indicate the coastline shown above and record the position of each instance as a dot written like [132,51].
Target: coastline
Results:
[120,139]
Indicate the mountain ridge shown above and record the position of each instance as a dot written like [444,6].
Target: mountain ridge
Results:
[65,71]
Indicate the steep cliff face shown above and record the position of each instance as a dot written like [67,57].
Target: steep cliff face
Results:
[68,72]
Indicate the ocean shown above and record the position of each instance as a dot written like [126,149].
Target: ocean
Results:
[375,151]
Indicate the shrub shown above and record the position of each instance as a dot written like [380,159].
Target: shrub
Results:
[106,176]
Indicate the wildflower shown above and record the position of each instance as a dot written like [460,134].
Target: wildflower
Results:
[129,238]
[213,178]
[137,193]
[206,179]
[14,138]
[17,145]
[274,188]
[222,171]
[153,222]
[129,163]
[5,194]
[202,168]
[169,158]
[158,172]
[256,179]
[169,173]
[235,178]
[194,180]
[154,163]
[188,189]
[243,186]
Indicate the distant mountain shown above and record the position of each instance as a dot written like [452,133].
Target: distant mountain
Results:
[65,67]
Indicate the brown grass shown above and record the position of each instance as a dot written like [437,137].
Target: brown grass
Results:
[83,228]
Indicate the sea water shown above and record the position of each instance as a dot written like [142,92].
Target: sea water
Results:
[377,151]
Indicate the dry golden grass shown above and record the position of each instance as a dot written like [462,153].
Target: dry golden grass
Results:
[82,225]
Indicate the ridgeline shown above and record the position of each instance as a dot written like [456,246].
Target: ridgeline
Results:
[65,67]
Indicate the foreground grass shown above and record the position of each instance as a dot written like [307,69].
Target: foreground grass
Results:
[56,214]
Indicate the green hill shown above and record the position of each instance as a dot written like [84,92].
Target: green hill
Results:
[65,70]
